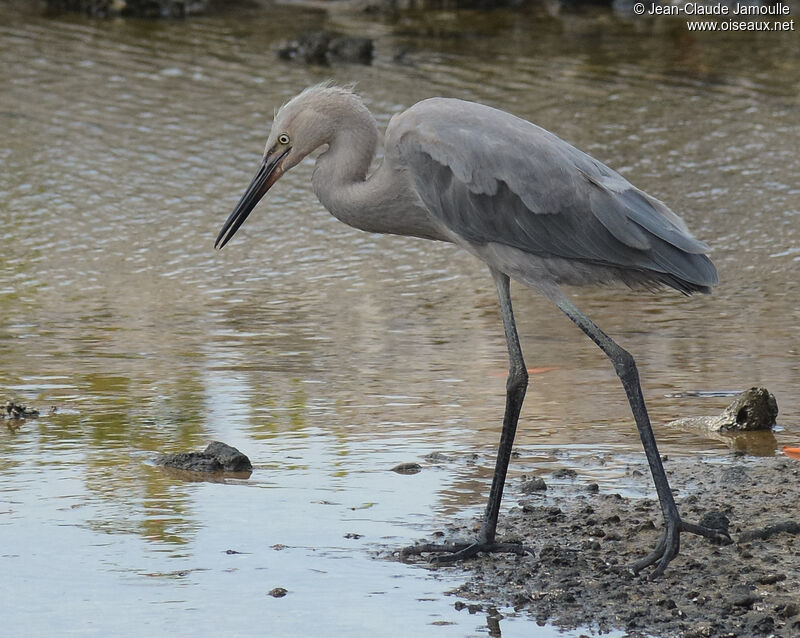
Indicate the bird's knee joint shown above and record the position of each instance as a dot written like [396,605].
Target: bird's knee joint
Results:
[624,363]
[517,379]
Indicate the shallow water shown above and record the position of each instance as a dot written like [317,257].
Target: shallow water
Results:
[329,355]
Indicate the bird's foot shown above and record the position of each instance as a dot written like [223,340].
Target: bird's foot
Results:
[669,543]
[452,552]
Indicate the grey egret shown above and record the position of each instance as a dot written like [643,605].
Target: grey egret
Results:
[531,206]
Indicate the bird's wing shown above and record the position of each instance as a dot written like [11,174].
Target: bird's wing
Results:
[492,177]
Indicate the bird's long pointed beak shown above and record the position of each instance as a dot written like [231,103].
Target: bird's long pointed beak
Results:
[270,171]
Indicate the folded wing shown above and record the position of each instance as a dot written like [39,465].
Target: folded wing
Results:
[491,177]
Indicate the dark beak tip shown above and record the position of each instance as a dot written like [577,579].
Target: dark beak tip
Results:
[261,183]
[221,241]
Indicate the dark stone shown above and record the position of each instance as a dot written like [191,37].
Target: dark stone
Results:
[715,520]
[407,468]
[353,49]
[753,409]
[320,47]
[746,600]
[771,579]
[18,411]
[191,462]
[753,413]
[790,527]
[131,8]
[565,473]
[788,610]
[436,457]
[763,625]
[735,474]
[535,484]
[312,47]
[217,457]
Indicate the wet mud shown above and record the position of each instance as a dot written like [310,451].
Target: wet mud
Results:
[584,537]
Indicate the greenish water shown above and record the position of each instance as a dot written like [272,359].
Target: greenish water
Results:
[329,355]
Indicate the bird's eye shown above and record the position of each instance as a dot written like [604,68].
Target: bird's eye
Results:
[283,139]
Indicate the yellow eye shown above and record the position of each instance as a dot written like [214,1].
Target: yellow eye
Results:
[283,139]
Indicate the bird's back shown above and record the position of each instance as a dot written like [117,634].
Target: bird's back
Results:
[493,178]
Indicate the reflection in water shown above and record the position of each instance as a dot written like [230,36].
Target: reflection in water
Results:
[329,355]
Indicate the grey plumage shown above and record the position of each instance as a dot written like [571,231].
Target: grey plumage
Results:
[492,177]
[528,204]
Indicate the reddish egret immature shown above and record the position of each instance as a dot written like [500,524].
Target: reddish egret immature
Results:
[529,205]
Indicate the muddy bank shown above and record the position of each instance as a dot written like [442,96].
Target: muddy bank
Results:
[584,538]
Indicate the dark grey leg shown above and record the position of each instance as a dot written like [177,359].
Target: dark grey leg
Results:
[516,386]
[625,366]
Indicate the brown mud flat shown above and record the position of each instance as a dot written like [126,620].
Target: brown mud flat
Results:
[584,539]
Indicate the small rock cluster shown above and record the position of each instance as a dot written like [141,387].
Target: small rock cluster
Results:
[322,48]
[583,543]
[133,8]
[15,410]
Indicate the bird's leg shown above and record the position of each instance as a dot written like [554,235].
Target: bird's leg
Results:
[669,543]
[516,386]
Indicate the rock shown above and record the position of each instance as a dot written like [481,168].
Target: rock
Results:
[321,47]
[232,460]
[131,8]
[535,484]
[754,409]
[770,579]
[353,49]
[312,47]
[735,476]
[18,411]
[278,592]
[788,610]
[715,520]
[745,425]
[565,473]
[217,457]
[436,457]
[407,468]
[788,527]
[191,462]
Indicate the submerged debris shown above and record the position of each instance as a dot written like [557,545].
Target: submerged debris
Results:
[217,457]
[15,410]
[745,425]
[131,8]
[322,47]
[407,468]
[753,409]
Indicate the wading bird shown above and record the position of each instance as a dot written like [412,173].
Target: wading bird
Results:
[532,207]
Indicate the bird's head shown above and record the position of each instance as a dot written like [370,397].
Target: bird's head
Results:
[308,121]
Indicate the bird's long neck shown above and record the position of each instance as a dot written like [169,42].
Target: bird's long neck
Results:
[340,176]
[384,202]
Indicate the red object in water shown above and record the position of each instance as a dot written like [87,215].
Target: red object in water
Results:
[793,452]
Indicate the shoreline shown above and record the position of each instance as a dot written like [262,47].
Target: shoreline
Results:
[585,538]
